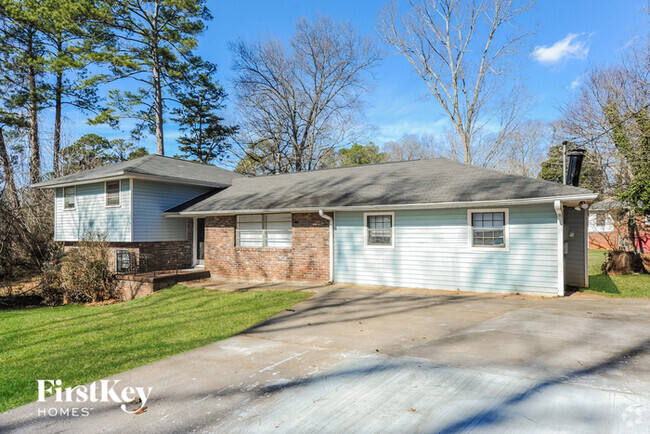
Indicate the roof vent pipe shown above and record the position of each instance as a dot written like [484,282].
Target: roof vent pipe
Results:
[575,165]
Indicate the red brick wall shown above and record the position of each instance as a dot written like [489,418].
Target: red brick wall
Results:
[164,255]
[307,259]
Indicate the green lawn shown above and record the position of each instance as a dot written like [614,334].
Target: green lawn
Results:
[79,344]
[634,285]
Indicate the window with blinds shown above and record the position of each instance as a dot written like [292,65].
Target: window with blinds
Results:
[264,230]
[112,193]
[69,197]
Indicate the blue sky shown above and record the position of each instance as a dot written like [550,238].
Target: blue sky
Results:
[571,37]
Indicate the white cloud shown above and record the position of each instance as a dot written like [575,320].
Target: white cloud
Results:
[570,47]
[575,83]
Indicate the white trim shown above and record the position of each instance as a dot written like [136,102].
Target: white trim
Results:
[506,230]
[119,194]
[365,230]
[586,243]
[435,205]
[125,175]
[194,250]
[265,231]
[131,205]
[75,199]
[55,191]
[559,211]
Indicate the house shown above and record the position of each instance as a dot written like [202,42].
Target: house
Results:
[432,223]
[608,227]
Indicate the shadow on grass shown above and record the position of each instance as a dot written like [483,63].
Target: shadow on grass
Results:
[602,283]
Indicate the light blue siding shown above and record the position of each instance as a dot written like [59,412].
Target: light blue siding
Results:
[431,250]
[150,199]
[92,215]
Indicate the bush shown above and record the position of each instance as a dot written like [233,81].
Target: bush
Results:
[83,275]
[621,262]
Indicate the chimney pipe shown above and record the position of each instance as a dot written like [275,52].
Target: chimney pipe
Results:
[575,165]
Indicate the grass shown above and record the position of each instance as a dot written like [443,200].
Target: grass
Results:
[624,286]
[79,344]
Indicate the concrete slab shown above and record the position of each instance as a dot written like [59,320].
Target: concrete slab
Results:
[357,360]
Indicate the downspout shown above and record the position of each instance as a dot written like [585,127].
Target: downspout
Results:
[331,224]
[560,247]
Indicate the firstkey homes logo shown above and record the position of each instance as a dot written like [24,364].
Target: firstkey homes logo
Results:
[97,391]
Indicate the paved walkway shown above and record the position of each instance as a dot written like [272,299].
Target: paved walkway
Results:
[354,360]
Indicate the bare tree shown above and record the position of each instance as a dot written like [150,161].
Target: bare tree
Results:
[298,101]
[412,147]
[526,148]
[464,51]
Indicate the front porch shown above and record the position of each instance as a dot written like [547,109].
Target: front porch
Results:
[136,285]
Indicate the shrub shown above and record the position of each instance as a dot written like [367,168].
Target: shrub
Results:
[83,275]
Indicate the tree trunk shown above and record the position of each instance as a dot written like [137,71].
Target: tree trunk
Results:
[160,145]
[34,146]
[157,86]
[58,95]
[10,189]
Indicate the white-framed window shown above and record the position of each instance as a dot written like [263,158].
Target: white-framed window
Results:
[264,230]
[647,219]
[379,229]
[69,197]
[112,190]
[488,228]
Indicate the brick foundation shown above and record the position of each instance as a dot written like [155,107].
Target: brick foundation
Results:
[306,260]
[163,255]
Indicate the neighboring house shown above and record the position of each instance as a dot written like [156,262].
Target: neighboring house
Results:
[608,227]
[431,224]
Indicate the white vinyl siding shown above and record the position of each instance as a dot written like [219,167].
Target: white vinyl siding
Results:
[150,200]
[112,189]
[264,230]
[601,222]
[430,250]
[90,213]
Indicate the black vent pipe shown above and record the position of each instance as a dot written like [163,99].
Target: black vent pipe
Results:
[575,165]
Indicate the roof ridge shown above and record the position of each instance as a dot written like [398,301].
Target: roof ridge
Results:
[358,166]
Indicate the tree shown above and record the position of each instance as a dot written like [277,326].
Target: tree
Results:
[299,101]
[591,176]
[200,100]
[91,151]
[71,39]
[359,154]
[412,147]
[610,115]
[464,52]
[526,147]
[24,88]
[154,40]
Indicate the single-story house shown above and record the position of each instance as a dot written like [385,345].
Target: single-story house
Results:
[608,227]
[431,223]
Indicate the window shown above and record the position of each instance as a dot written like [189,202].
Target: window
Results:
[112,189]
[379,230]
[489,229]
[647,219]
[601,220]
[69,196]
[264,230]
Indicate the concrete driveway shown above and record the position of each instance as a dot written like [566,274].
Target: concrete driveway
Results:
[355,360]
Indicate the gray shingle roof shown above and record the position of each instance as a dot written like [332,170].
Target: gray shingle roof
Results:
[607,205]
[152,166]
[403,183]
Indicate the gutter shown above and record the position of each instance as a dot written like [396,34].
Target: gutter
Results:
[331,225]
[387,207]
[127,174]
[559,210]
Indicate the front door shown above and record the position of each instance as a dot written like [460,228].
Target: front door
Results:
[200,241]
